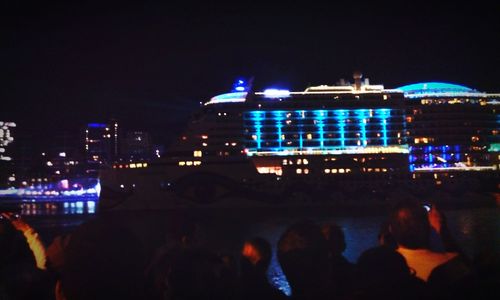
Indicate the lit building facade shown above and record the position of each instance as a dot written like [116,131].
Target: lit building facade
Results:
[137,146]
[101,144]
[7,175]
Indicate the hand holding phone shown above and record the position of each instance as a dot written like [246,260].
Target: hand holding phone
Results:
[436,219]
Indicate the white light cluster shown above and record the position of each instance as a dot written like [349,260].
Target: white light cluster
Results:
[346,150]
[5,138]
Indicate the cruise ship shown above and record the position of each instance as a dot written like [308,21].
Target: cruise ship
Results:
[327,145]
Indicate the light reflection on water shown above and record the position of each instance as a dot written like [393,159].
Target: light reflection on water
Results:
[58,208]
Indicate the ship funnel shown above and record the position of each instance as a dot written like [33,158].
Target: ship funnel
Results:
[357,80]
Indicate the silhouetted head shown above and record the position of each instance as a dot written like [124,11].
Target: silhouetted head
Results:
[196,274]
[186,232]
[303,255]
[381,265]
[382,273]
[335,238]
[409,225]
[103,260]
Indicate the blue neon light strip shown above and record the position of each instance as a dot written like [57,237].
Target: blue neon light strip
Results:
[341,116]
[302,115]
[258,117]
[96,125]
[361,115]
[279,117]
[311,130]
[384,114]
[320,116]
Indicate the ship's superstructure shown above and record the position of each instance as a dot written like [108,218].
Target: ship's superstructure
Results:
[317,141]
[453,129]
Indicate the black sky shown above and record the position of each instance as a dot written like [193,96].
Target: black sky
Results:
[148,65]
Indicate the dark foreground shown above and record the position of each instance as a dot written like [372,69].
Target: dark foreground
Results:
[130,254]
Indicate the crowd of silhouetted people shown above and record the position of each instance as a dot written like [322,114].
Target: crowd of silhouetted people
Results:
[102,260]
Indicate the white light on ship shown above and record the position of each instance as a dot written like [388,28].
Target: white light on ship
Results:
[275,93]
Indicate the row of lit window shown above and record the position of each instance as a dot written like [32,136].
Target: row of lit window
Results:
[342,171]
[453,101]
[377,170]
[335,171]
[302,171]
[423,140]
[36,180]
[324,114]
[309,136]
[299,161]
[131,166]
[190,163]
[270,170]
[326,144]
[325,122]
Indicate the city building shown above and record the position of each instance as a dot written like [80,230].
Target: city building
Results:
[101,144]
[137,146]
[7,172]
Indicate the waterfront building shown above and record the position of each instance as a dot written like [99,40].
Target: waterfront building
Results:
[7,174]
[137,146]
[101,144]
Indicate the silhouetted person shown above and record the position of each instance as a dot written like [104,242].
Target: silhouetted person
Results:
[303,255]
[382,273]
[56,258]
[182,236]
[410,225]
[255,259]
[341,269]
[22,261]
[103,260]
[195,274]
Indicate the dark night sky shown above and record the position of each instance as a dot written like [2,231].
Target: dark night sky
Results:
[64,65]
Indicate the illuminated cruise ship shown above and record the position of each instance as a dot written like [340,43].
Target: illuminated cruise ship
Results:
[319,146]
